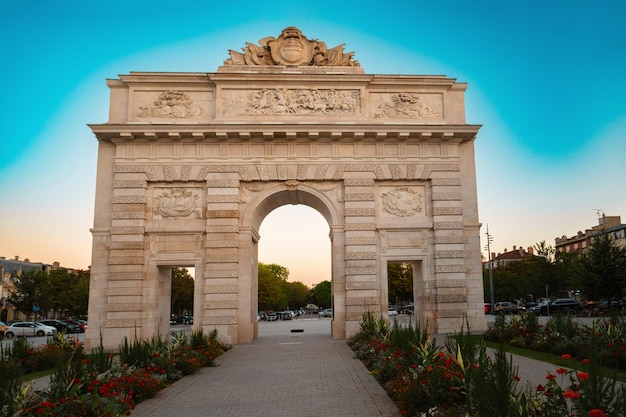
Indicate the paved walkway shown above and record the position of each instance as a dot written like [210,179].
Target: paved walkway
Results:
[280,374]
[290,374]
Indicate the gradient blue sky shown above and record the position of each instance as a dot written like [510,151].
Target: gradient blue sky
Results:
[546,81]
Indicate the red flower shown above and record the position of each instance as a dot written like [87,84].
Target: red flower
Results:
[566,356]
[540,388]
[571,394]
[561,371]
[550,376]
[582,376]
[596,412]
[586,362]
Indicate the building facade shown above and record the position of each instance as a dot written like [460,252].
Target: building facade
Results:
[582,240]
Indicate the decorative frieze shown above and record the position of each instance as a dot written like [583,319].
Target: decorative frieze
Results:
[445,181]
[130,184]
[358,196]
[125,215]
[123,323]
[125,276]
[220,289]
[360,255]
[122,291]
[359,212]
[447,197]
[125,260]
[129,199]
[447,211]
[360,226]
[220,273]
[430,168]
[124,307]
[127,230]
[358,182]
[361,301]
[222,259]
[222,244]
[222,183]
[222,214]
[126,245]
[361,271]
[220,304]
[452,298]
[222,228]
[223,198]
[454,313]
[448,225]
[360,241]
[367,285]
[451,283]
[219,320]
[449,239]
[449,268]
[449,254]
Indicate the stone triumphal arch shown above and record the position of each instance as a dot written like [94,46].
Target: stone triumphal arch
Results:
[189,164]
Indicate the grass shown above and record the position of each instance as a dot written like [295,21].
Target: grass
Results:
[557,360]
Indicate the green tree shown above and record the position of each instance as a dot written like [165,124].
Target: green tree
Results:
[32,288]
[400,282]
[69,292]
[321,294]
[182,291]
[604,266]
[273,287]
[299,295]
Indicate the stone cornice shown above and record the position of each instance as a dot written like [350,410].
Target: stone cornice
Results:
[285,132]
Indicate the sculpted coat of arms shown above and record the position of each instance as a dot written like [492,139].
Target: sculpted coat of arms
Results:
[176,203]
[291,48]
[403,202]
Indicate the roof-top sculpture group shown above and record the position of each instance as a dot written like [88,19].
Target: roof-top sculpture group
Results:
[291,48]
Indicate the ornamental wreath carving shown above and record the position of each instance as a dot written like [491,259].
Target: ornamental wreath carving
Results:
[176,203]
[172,104]
[406,105]
[291,48]
[303,101]
[403,202]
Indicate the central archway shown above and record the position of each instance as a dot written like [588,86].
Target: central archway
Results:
[263,198]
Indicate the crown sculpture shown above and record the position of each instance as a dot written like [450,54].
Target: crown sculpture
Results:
[291,48]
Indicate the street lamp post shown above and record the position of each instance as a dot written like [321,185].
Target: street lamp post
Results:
[493,301]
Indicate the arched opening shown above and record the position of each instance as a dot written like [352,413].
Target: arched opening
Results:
[295,237]
[316,199]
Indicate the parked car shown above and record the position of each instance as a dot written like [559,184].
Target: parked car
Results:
[327,312]
[392,312]
[560,305]
[287,315]
[29,328]
[62,326]
[507,307]
[272,317]
[80,323]
[3,327]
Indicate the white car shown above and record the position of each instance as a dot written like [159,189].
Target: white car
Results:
[29,328]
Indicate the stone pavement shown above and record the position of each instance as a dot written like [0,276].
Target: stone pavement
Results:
[290,374]
[280,374]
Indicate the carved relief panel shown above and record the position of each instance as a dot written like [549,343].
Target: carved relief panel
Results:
[407,105]
[401,201]
[175,202]
[291,102]
[171,105]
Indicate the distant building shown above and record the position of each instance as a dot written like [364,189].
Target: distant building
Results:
[508,257]
[582,240]
[10,270]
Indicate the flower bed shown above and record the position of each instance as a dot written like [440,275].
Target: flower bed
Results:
[460,379]
[98,384]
